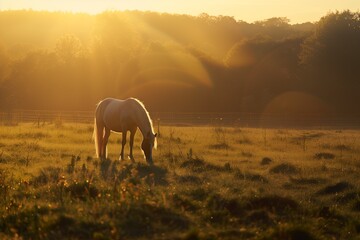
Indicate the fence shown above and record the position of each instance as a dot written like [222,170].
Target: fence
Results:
[40,117]
[239,119]
[242,119]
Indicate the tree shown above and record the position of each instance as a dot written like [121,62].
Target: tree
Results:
[275,22]
[68,48]
[329,58]
[334,46]
[249,51]
[4,63]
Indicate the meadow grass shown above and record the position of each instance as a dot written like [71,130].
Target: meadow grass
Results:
[207,183]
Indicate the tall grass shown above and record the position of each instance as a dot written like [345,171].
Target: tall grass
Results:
[52,186]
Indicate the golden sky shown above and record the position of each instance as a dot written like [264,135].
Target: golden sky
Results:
[297,11]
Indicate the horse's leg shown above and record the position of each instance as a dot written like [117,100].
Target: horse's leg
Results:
[105,142]
[132,135]
[124,133]
[98,135]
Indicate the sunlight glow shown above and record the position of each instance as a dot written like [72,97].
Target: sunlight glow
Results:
[250,11]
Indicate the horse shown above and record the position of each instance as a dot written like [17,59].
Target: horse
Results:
[122,116]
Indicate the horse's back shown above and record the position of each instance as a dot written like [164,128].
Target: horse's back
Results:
[102,106]
[116,113]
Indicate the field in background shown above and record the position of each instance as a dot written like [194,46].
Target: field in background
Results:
[207,183]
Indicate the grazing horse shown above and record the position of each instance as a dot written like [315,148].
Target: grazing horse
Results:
[122,116]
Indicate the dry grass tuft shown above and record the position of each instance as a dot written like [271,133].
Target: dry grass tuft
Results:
[266,161]
[285,168]
[324,155]
[336,188]
[273,203]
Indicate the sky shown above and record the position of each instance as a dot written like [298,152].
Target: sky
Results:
[298,11]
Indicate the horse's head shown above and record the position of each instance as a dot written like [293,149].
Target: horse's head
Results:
[148,143]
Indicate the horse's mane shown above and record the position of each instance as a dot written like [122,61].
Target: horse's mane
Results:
[146,112]
[148,117]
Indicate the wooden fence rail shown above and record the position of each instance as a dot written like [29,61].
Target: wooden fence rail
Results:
[188,119]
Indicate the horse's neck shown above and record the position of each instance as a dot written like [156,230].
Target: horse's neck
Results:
[144,124]
[144,128]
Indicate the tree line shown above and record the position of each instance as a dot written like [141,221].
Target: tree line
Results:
[65,61]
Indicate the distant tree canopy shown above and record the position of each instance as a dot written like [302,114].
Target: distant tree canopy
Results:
[335,38]
[330,57]
[179,62]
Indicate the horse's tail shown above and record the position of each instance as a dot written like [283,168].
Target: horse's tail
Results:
[98,133]
[97,138]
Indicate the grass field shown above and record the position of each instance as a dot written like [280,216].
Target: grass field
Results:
[207,183]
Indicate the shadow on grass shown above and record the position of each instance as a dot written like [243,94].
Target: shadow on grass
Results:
[134,221]
[46,175]
[324,155]
[308,181]
[199,165]
[336,188]
[235,234]
[67,227]
[27,222]
[347,197]
[217,203]
[285,168]
[189,179]
[259,218]
[297,232]
[147,220]
[219,146]
[183,203]
[130,221]
[273,203]
[154,175]
[82,190]
[250,176]
[266,161]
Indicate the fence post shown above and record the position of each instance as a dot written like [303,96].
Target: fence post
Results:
[158,127]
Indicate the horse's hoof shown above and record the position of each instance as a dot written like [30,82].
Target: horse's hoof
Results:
[131,158]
